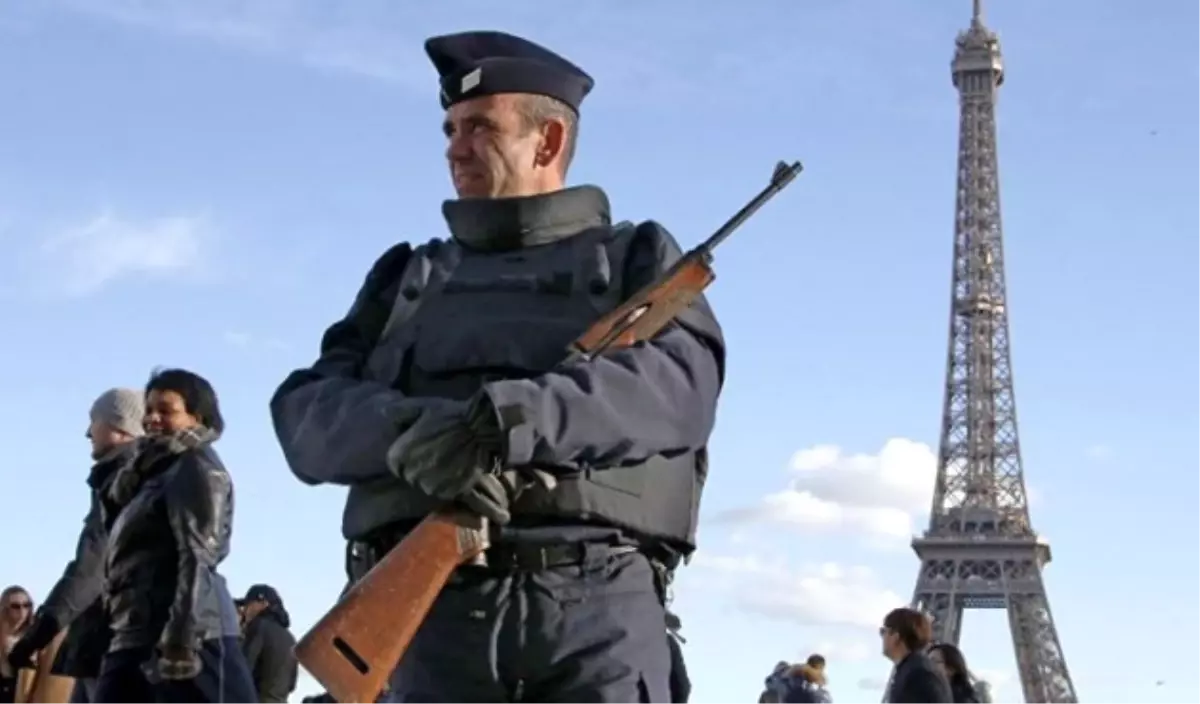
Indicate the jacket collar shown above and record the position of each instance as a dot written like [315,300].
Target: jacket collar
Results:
[502,224]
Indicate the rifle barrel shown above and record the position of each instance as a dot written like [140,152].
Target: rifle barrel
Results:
[784,174]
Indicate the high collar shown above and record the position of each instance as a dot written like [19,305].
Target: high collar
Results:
[107,465]
[499,224]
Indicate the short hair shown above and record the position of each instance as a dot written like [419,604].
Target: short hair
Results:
[913,627]
[816,660]
[535,110]
[199,397]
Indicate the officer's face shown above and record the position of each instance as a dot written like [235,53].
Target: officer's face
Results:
[491,150]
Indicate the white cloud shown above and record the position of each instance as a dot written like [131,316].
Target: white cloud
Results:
[901,475]
[878,496]
[1099,452]
[87,257]
[820,594]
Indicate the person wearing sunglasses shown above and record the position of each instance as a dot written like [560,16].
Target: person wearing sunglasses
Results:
[16,612]
[905,636]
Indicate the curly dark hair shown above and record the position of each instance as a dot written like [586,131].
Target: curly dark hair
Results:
[199,397]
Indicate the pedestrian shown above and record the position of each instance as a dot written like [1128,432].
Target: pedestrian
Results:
[74,601]
[169,519]
[268,644]
[949,660]
[449,375]
[16,615]
[905,635]
[814,673]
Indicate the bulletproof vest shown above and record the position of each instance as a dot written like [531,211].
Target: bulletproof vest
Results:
[463,318]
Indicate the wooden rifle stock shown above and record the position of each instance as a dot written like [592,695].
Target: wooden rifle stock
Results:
[354,648]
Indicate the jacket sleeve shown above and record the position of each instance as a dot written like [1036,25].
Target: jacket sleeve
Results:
[276,669]
[252,650]
[333,426]
[83,579]
[197,502]
[656,397]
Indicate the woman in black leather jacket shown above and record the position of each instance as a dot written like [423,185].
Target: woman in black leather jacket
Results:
[169,518]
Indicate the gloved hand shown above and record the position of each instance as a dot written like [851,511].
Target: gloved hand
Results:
[39,635]
[177,662]
[452,453]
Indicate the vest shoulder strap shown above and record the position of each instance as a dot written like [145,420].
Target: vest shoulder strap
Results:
[423,274]
[373,305]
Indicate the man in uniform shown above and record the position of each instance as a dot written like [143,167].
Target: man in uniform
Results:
[449,374]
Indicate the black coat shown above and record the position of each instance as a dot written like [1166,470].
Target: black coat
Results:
[267,644]
[917,680]
[964,692]
[169,517]
[74,601]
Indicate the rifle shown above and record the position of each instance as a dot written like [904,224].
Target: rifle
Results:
[354,648]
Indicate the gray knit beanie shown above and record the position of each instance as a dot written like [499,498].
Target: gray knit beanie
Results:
[122,409]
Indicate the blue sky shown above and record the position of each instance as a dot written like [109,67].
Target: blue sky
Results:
[205,184]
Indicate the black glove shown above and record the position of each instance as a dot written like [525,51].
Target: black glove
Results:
[39,635]
[453,453]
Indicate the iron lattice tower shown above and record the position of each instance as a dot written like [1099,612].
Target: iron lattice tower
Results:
[980,551]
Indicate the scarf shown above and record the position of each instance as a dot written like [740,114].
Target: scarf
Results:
[153,455]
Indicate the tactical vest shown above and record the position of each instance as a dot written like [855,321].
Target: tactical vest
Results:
[462,318]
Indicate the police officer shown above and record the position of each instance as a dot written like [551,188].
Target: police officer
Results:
[448,374]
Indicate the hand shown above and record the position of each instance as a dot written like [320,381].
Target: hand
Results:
[178,663]
[451,453]
[20,656]
[39,635]
[493,494]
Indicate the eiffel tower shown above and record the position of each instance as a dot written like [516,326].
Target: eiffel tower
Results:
[980,551]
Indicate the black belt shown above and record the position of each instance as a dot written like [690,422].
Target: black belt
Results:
[521,557]
[535,558]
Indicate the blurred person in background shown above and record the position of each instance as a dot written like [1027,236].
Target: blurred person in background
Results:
[905,635]
[949,660]
[797,684]
[774,685]
[74,602]
[268,644]
[169,517]
[16,613]
[816,678]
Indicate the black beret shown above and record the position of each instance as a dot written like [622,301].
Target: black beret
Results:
[472,64]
